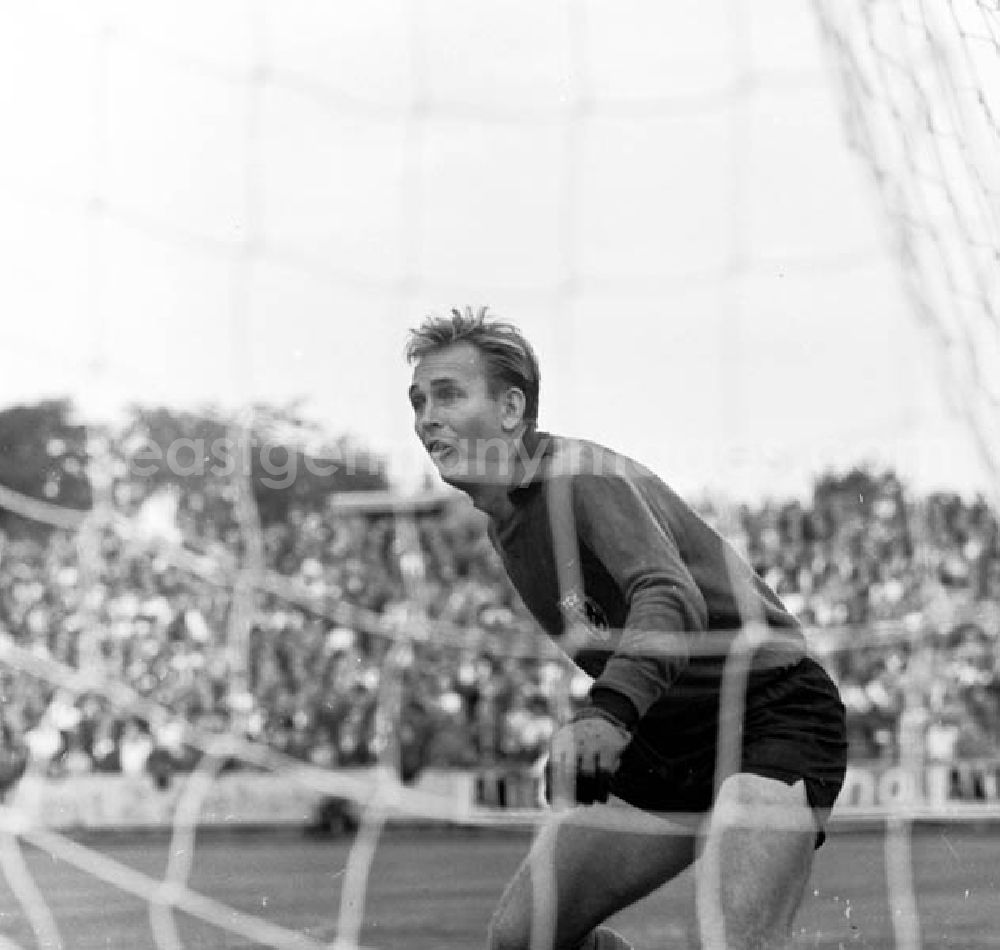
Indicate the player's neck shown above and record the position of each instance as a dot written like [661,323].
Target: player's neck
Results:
[494,500]
[518,466]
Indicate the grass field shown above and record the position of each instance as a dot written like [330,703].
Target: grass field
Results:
[434,891]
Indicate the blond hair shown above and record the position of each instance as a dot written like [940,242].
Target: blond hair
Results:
[510,360]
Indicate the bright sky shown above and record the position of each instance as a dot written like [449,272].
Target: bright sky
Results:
[660,194]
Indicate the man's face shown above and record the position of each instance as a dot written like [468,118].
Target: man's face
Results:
[460,424]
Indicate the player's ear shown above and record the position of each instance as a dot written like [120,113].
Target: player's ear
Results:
[512,405]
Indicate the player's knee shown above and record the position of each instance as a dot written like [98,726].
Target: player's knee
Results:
[750,916]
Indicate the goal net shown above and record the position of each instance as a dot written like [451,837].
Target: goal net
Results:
[260,183]
[920,84]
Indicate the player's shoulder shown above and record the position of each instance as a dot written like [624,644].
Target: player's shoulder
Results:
[600,474]
[584,458]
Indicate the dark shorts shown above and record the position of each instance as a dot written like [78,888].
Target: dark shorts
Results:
[793,729]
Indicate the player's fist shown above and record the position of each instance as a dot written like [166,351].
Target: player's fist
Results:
[583,758]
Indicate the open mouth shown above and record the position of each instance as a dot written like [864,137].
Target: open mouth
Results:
[439,451]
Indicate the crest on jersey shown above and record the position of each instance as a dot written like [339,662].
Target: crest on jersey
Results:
[582,611]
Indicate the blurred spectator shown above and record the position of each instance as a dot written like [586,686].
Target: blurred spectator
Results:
[881,579]
[13,757]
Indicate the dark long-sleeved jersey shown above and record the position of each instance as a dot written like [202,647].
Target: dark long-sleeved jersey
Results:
[599,547]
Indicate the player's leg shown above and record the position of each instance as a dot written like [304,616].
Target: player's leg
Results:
[754,863]
[586,865]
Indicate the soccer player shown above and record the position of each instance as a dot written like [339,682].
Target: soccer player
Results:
[661,769]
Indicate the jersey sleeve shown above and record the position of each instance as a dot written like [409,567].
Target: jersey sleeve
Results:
[665,608]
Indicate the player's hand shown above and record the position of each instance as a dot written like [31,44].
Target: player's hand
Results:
[583,759]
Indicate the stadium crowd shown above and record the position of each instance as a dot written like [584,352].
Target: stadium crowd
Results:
[901,596]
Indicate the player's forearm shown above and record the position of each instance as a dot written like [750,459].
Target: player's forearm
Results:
[630,685]
[616,705]
[653,652]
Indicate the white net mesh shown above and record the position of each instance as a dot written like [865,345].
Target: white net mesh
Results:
[919,83]
[178,162]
